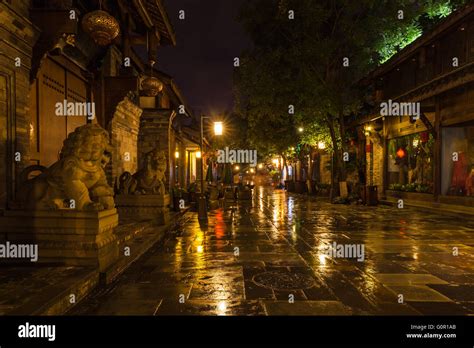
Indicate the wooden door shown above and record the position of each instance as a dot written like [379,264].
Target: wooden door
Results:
[56,82]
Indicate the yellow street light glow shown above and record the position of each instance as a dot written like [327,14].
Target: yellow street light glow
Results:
[218,128]
[276,161]
[252,170]
[222,307]
[176,154]
[198,154]
[260,166]
[321,145]
[300,129]
[237,167]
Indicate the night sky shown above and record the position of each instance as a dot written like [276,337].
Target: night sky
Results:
[208,39]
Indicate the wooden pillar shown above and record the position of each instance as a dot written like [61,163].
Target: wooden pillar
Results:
[385,159]
[437,152]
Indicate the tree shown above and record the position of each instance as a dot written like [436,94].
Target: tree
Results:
[311,55]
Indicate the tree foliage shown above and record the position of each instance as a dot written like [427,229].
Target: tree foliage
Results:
[315,60]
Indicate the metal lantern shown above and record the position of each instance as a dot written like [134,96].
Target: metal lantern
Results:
[101,26]
[152,86]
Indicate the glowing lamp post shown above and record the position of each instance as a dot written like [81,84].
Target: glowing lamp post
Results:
[202,205]
[218,128]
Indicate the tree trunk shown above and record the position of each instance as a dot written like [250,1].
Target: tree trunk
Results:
[335,146]
[334,168]
[309,177]
[341,163]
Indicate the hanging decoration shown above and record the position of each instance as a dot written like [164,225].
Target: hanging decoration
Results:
[151,86]
[101,26]
[424,137]
[401,153]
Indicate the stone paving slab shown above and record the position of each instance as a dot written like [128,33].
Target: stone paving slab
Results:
[418,293]
[408,279]
[32,290]
[280,266]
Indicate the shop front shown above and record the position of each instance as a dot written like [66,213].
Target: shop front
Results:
[457,184]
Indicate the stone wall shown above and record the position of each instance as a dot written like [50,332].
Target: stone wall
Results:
[124,128]
[17,38]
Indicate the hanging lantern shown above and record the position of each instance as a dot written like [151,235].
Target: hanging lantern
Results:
[401,153]
[424,137]
[151,86]
[102,27]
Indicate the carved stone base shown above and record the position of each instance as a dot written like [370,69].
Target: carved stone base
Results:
[64,236]
[144,207]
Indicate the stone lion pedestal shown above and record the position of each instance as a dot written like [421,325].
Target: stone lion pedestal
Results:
[68,210]
[144,207]
[65,236]
[142,196]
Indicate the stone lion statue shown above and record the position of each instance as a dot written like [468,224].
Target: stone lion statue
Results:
[148,180]
[77,180]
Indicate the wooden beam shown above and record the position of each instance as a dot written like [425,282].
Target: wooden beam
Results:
[428,124]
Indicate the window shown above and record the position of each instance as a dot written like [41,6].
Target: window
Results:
[458,161]
[410,163]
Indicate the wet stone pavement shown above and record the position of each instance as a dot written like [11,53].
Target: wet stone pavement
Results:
[269,257]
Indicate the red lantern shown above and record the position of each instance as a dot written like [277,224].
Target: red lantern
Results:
[368,148]
[424,136]
[401,153]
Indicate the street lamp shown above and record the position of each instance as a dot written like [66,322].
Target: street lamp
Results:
[202,207]
[300,129]
[218,128]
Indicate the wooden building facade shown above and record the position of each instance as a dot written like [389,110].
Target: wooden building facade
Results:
[427,156]
[47,57]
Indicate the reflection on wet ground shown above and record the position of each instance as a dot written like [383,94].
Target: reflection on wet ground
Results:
[269,257]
